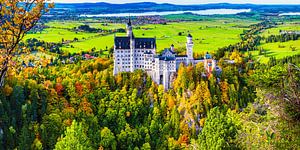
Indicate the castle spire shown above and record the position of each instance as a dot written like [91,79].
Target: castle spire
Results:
[129,28]
[129,21]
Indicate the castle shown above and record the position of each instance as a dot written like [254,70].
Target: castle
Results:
[132,53]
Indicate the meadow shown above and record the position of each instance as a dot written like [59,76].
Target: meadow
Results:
[286,26]
[57,35]
[208,35]
[278,50]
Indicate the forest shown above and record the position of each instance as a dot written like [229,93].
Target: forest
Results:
[73,101]
[83,105]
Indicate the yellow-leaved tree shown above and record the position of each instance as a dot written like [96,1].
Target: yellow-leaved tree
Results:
[17,17]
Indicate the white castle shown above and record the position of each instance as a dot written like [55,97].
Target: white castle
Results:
[132,53]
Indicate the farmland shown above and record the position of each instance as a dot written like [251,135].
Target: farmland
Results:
[208,35]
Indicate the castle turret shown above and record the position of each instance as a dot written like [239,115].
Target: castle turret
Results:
[189,48]
[172,48]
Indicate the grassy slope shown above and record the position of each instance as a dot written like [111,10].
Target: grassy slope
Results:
[273,49]
[275,31]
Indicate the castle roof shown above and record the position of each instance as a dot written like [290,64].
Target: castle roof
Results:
[140,43]
[146,43]
[122,42]
[208,56]
[166,50]
[165,58]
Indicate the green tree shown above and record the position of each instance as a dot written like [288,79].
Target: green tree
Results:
[108,139]
[219,131]
[51,129]
[146,146]
[75,138]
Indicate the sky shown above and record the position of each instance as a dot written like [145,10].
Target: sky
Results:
[183,2]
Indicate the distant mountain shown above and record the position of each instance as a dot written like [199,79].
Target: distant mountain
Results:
[104,8]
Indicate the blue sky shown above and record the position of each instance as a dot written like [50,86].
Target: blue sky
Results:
[188,1]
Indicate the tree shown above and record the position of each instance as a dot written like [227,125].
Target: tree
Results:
[108,139]
[75,138]
[17,17]
[219,131]
[146,146]
[51,129]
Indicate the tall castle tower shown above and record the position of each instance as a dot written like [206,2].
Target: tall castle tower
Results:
[189,48]
[132,45]
[129,28]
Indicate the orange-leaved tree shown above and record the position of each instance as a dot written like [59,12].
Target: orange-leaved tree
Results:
[17,17]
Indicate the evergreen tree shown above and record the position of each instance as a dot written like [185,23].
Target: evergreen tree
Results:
[218,132]
[74,139]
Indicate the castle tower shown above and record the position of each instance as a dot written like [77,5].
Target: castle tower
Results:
[129,28]
[166,75]
[115,59]
[172,48]
[189,48]
[132,54]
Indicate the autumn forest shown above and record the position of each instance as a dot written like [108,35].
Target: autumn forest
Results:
[73,100]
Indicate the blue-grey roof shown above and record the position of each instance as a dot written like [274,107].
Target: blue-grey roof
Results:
[164,58]
[208,56]
[122,42]
[144,43]
[147,43]
[166,50]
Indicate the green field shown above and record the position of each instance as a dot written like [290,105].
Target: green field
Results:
[56,35]
[86,45]
[208,35]
[278,50]
[276,30]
